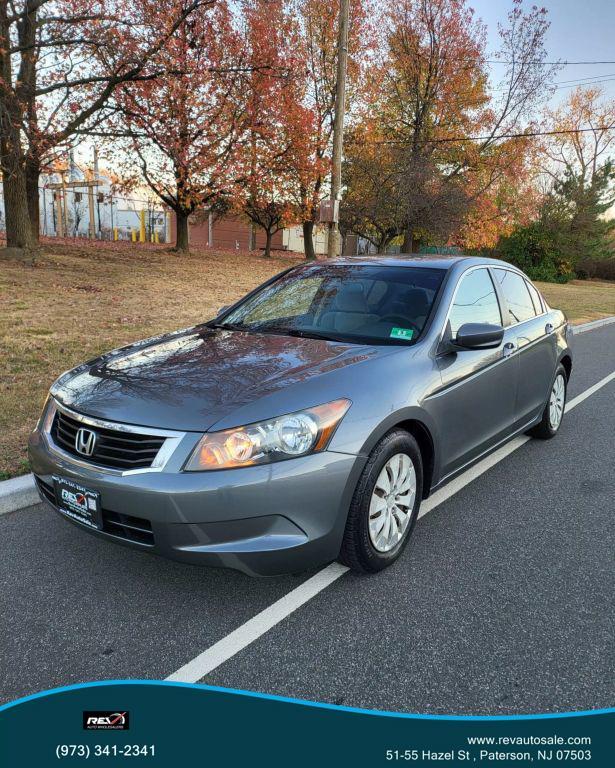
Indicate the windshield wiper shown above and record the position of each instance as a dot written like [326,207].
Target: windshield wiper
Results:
[273,329]
[307,334]
[229,326]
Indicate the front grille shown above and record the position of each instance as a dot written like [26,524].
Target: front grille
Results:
[114,449]
[136,529]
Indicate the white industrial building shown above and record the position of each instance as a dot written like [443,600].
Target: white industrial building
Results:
[74,203]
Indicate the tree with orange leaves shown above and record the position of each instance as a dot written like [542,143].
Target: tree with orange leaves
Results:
[429,101]
[185,126]
[309,118]
[587,122]
[263,188]
[61,62]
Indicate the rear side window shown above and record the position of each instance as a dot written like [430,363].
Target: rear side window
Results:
[517,295]
[535,297]
[475,301]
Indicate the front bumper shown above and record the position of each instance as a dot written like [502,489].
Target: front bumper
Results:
[263,520]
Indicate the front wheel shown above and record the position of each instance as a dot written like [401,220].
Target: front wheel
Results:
[553,413]
[385,504]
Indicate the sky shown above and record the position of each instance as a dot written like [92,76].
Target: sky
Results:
[581,30]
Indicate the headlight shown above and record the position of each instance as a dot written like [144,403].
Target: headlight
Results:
[295,434]
[47,414]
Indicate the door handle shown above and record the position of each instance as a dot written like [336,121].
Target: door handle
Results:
[549,328]
[509,348]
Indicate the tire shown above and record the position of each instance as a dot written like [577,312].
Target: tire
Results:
[546,428]
[359,551]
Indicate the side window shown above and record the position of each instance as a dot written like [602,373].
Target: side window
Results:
[535,298]
[517,295]
[475,302]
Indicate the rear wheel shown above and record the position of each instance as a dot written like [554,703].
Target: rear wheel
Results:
[385,504]
[554,410]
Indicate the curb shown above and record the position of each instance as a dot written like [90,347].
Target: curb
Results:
[20,492]
[17,493]
[594,324]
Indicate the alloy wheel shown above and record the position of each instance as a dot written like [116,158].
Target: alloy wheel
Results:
[392,502]
[556,401]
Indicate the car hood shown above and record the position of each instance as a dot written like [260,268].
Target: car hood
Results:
[192,379]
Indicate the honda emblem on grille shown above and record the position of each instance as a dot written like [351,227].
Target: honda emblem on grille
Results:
[85,441]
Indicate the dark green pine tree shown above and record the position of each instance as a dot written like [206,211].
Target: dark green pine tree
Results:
[576,215]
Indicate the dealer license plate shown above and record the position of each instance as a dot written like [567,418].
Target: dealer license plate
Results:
[78,503]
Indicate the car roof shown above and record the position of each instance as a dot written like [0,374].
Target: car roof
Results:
[433,261]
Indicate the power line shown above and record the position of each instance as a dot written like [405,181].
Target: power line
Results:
[581,85]
[594,78]
[562,84]
[548,63]
[526,135]
[529,134]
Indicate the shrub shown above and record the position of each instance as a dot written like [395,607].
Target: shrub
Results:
[533,249]
[600,269]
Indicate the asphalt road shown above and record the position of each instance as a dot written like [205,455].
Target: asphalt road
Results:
[502,603]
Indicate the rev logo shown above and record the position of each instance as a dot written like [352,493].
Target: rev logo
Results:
[106,721]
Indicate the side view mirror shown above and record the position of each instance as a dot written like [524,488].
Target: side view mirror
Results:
[479,336]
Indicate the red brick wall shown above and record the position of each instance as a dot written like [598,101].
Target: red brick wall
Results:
[227,233]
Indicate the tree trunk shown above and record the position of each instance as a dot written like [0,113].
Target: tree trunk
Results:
[18,230]
[182,240]
[268,237]
[411,243]
[308,240]
[32,179]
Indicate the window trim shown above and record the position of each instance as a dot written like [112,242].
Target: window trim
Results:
[503,297]
[540,299]
[499,298]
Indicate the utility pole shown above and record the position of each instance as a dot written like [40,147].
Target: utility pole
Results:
[333,245]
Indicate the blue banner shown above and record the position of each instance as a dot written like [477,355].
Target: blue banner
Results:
[173,724]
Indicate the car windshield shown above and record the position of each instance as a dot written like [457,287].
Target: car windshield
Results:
[352,303]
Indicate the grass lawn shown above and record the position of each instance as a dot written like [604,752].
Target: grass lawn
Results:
[581,300]
[80,300]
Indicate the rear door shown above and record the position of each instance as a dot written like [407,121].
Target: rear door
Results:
[475,407]
[535,339]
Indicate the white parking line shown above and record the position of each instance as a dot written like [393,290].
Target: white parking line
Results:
[253,628]
[247,633]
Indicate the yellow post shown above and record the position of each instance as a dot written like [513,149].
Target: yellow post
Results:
[142,226]
[133,235]
[156,237]
[92,215]
[151,237]
[59,214]
[116,234]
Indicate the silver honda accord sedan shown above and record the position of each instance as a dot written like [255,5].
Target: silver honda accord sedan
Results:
[307,421]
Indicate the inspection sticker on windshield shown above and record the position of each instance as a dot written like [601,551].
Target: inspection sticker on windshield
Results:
[401,333]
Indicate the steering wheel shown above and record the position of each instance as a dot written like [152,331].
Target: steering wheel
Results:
[403,321]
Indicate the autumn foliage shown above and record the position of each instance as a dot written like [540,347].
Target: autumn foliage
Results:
[226,107]
[183,127]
